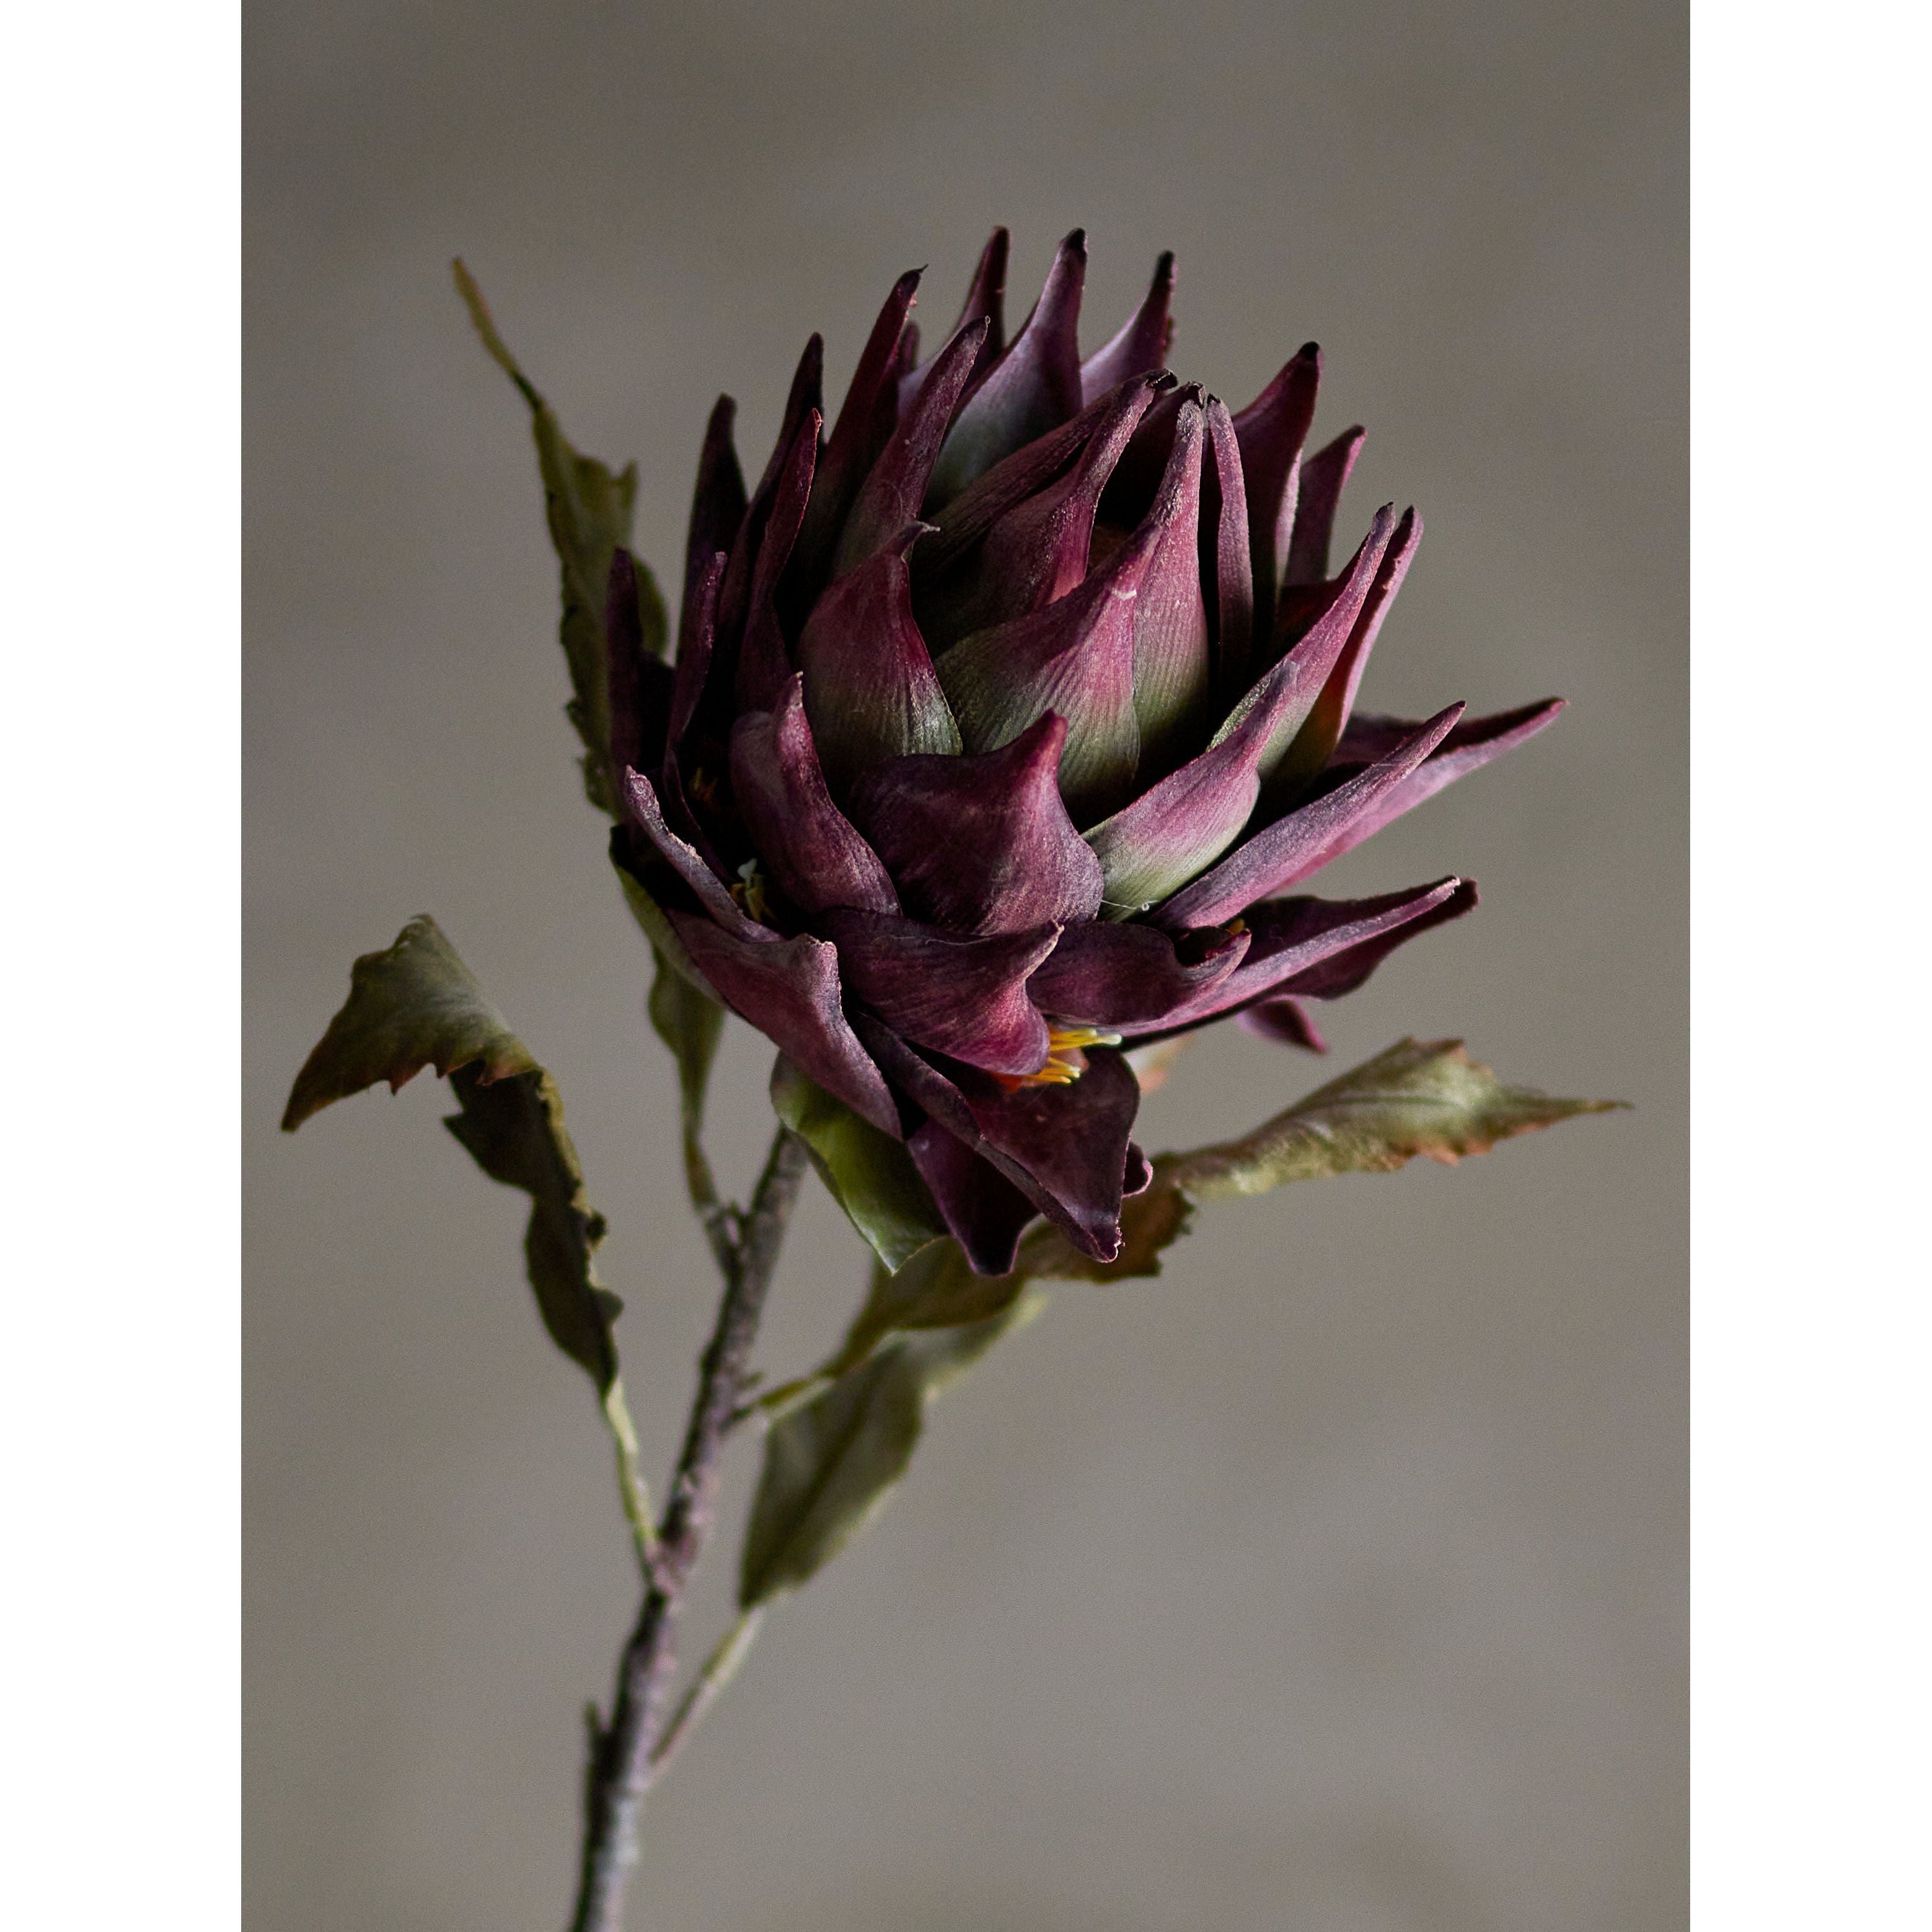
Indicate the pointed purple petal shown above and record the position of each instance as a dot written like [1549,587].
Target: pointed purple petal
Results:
[718,505]
[789,990]
[1226,560]
[1076,657]
[1108,975]
[1170,614]
[764,665]
[1304,840]
[965,997]
[813,852]
[1323,476]
[1155,845]
[1037,551]
[638,681]
[695,638]
[1034,387]
[889,498]
[870,689]
[984,299]
[1271,431]
[1285,1021]
[641,798]
[1316,741]
[1066,1146]
[981,843]
[1299,945]
[1467,748]
[1143,342]
[985,1212]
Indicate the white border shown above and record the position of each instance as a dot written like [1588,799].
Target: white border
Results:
[1811,1615]
[119,609]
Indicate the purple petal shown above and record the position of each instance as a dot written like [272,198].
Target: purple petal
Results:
[981,843]
[1316,741]
[1303,840]
[1034,387]
[965,997]
[812,851]
[1271,431]
[984,300]
[1143,342]
[1076,657]
[870,689]
[1155,845]
[764,665]
[1066,1148]
[855,441]
[1285,1020]
[1037,551]
[985,1212]
[1466,749]
[1225,561]
[695,637]
[638,681]
[1323,476]
[1106,974]
[717,506]
[890,497]
[1170,614]
[1302,945]
[641,797]
[789,990]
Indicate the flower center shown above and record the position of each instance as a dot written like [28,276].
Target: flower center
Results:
[1065,1062]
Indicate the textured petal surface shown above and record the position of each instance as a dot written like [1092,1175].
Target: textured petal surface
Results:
[985,305]
[1143,342]
[985,1212]
[640,797]
[1305,839]
[870,689]
[1034,387]
[1271,431]
[981,843]
[1226,562]
[764,665]
[1170,680]
[1323,477]
[813,852]
[960,996]
[717,506]
[1283,1018]
[1109,975]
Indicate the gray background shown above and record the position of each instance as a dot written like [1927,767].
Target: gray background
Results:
[1334,1580]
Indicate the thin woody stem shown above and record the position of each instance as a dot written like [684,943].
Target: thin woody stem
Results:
[621,1765]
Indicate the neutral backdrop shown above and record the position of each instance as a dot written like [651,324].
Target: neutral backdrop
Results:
[1334,1580]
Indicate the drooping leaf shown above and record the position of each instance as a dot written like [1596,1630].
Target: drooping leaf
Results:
[830,1463]
[870,1174]
[1418,1097]
[416,1005]
[589,509]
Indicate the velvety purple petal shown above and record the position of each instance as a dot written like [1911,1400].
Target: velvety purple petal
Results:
[1037,551]
[855,440]
[981,843]
[696,635]
[1271,431]
[1155,845]
[1066,1146]
[1171,669]
[1304,839]
[870,689]
[718,505]
[1143,342]
[789,990]
[1285,1021]
[1343,971]
[1291,941]
[985,298]
[639,682]
[963,997]
[1106,974]
[764,665]
[889,498]
[1315,742]
[1466,749]
[1323,476]
[1076,657]
[640,797]
[1034,387]
[1226,562]
[813,852]
[985,1212]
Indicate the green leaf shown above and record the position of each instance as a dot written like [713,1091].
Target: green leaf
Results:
[417,1005]
[691,1023]
[830,1463]
[870,1174]
[1420,1097]
[589,510]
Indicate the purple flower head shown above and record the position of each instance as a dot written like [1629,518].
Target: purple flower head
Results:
[1011,707]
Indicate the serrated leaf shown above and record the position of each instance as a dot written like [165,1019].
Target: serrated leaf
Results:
[830,1463]
[416,1004]
[870,1174]
[589,509]
[1420,1097]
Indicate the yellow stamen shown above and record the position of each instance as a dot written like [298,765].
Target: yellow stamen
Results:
[1065,1062]
[750,891]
